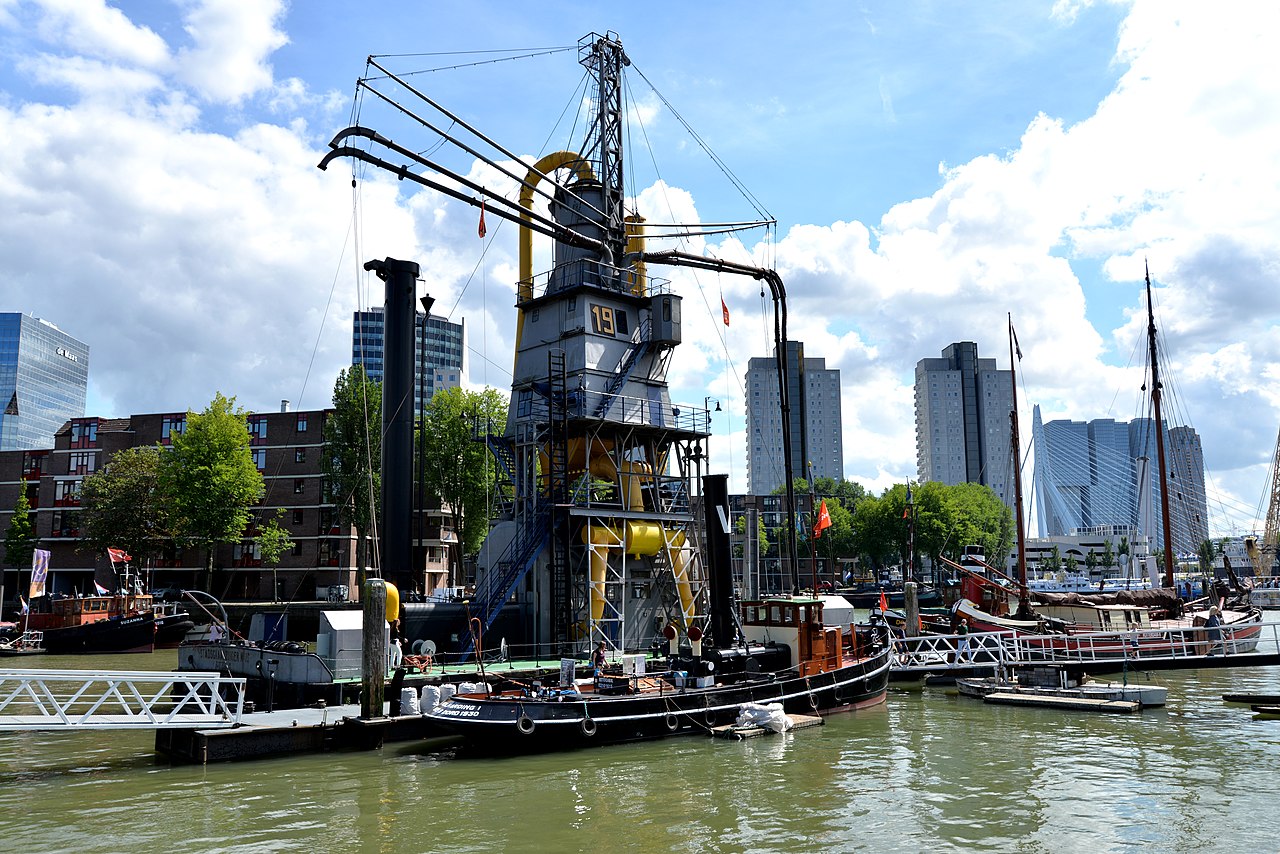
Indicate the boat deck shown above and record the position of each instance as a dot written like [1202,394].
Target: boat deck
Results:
[1074,704]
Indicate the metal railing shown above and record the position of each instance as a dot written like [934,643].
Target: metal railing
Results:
[88,699]
[936,653]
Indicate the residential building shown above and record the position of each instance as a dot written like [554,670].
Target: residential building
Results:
[963,427]
[44,378]
[816,424]
[287,448]
[439,345]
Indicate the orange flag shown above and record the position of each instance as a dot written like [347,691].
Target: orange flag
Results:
[481,229]
[824,520]
[724,310]
[884,603]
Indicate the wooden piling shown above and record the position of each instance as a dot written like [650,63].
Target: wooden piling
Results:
[374,651]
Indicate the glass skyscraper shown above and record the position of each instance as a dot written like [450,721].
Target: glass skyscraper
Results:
[438,349]
[44,378]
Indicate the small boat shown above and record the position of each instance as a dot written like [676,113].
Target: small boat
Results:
[1144,694]
[1253,699]
[27,643]
[788,657]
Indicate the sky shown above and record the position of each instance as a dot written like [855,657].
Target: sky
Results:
[933,168]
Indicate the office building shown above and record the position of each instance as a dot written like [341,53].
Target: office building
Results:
[44,377]
[963,426]
[1104,473]
[438,351]
[816,425]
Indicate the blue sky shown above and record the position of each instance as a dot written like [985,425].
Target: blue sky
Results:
[932,167]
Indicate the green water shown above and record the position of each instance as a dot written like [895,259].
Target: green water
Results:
[926,771]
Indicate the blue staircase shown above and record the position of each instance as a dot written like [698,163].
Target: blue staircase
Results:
[518,559]
[638,350]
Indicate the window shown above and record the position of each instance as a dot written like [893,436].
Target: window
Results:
[82,462]
[302,422]
[298,486]
[260,458]
[84,433]
[33,464]
[297,548]
[66,492]
[297,517]
[300,455]
[257,425]
[171,424]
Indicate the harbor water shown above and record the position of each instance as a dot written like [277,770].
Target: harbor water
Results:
[928,770]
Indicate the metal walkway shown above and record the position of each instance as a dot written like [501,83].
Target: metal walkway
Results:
[88,699]
[1145,649]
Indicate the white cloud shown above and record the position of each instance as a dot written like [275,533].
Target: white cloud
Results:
[231,43]
[92,27]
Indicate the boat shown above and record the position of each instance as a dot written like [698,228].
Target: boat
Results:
[1265,593]
[787,657]
[27,643]
[74,625]
[1144,694]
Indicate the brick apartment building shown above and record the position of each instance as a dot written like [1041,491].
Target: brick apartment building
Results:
[287,448]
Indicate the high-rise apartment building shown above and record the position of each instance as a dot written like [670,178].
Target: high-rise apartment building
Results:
[44,378]
[816,424]
[963,426]
[439,345]
[1104,473]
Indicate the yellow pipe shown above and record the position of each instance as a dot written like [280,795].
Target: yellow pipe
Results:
[680,569]
[547,164]
[635,244]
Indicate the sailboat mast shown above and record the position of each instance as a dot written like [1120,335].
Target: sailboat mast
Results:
[1155,403]
[1024,606]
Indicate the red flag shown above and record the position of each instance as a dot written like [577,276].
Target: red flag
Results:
[884,603]
[824,520]
[481,230]
[724,309]
[118,556]
[906,512]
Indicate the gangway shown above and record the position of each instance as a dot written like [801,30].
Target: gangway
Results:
[1249,644]
[144,700]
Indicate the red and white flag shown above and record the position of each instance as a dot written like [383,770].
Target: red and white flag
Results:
[118,556]
[724,309]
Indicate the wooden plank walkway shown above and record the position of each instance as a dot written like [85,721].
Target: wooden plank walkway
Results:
[1074,704]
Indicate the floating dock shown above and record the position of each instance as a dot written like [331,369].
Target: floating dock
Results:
[1074,704]
[742,732]
[309,730]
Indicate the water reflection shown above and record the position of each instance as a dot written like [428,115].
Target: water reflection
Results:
[928,770]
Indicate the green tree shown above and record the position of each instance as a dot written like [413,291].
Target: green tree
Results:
[272,541]
[20,538]
[121,505]
[458,468]
[1091,561]
[208,478]
[1108,556]
[1070,564]
[1206,555]
[353,455]
[1053,562]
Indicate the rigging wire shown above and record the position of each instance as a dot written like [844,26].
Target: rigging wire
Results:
[533,52]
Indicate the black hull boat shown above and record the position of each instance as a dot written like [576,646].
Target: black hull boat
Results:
[133,633]
[524,721]
[172,629]
[832,675]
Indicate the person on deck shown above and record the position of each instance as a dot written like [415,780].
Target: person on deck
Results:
[216,632]
[1213,629]
[962,640]
[597,660]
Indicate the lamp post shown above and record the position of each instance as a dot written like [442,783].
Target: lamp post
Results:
[706,416]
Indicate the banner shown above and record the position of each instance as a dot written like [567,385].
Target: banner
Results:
[39,572]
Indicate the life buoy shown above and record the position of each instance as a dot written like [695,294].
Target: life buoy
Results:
[813,700]
[525,724]
[588,727]
[709,717]
[671,722]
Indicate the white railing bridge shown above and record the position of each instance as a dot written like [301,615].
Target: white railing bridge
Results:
[88,699]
